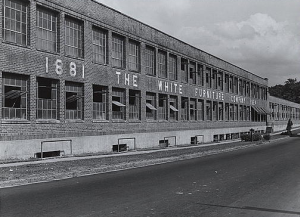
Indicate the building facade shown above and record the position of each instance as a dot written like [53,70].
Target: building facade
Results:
[79,77]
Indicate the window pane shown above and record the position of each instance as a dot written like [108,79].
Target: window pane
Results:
[15,24]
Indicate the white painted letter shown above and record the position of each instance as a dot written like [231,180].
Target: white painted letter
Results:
[118,74]
[134,80]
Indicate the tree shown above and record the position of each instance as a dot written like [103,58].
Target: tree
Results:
[289,91]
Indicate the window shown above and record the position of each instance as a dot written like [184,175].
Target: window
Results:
[208,77]
[118,58]
[215,111]
[162,107]
[214,79]
[118,104]
[162,67]
[193,110]
[241,113]
[236,112]
[47,99]
[193,73]
[184,70]
[134,105]
[200,110]
[15,21]
[100,98]
[208,110]
[150,60]
[227,83]
[151,106]
[200,75]
[74,37]
[74,100]
[46,30]
[221,109]
[99,46]
[172,67]
[173,108]
[230,84]
[227,112]
[220,81]
[184,108]
[15,96]
[134,56]
[231,112]
[235,86]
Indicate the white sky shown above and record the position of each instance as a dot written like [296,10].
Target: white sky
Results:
[261,36]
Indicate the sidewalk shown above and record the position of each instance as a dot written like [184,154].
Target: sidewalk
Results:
[28,172]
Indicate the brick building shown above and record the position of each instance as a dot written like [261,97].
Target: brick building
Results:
[80,77]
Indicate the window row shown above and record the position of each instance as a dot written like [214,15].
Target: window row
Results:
[158,106]
[156,62]
[283,112]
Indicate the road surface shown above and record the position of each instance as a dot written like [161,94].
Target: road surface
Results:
[262,181]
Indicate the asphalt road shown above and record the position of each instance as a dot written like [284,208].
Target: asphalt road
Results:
[259,181]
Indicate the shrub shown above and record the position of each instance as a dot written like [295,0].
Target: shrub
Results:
[256,136]
[267,136]
[247,137]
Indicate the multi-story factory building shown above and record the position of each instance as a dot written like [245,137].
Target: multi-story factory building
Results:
[78,77]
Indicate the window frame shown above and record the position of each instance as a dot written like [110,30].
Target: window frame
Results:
[134,56]
[54,30]
[24,30]
[53,101]
[76,27]
[100,45]
[118,49]
[100,108]
[74,89]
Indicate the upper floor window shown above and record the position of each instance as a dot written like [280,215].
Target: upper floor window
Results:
[74,37]
[184,70]
[134,56]
[46,30]
[15,96]
[150,60]
[162,66]
[200,74]
[193,73]
[118,57]
[15,21]
[208,77]
[172,67]
[99,46]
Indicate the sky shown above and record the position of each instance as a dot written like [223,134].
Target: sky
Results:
[260,36]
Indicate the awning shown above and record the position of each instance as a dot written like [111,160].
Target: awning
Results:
[118,104]
[13,94]
[267,111]
[149,106]
[258,110]
[73,98]
[173,108]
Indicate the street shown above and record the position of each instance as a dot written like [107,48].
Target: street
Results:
[260,181]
